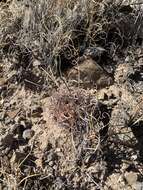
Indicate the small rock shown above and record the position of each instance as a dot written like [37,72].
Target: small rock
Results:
[134,157]
[36,63]
[28,134]
[94,52]
[51,163]
[90,74]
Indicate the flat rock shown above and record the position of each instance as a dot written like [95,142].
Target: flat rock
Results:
[90,74]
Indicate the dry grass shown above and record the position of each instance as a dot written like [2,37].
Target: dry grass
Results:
[58,30]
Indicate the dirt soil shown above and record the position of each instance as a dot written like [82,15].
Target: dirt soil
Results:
[82,130]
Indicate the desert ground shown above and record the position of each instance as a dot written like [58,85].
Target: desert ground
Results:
[71,95]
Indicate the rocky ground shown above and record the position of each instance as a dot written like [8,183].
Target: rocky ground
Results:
[82,129]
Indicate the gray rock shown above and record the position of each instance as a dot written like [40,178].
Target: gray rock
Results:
[94,52]
[28,134]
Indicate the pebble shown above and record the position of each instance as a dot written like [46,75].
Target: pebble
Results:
[36,62]
[134,157]
[51,163]
[28,134]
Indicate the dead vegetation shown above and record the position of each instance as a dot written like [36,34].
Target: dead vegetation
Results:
[71,75]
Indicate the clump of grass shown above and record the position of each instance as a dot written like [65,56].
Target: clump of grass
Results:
[59,31]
